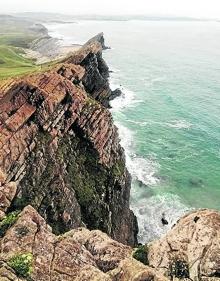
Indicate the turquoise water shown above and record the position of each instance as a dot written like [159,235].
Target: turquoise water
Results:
[169,116]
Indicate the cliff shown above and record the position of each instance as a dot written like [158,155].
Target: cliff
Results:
[60,151]
[64,187]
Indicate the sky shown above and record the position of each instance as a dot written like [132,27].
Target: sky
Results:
[189,8]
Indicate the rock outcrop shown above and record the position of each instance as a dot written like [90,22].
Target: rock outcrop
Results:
[190,250]
[60,151]
[80,254]
[99,38]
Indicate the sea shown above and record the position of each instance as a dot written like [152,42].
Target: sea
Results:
[168,115]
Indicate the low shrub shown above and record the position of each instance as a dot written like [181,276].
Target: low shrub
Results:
[141,254]
[22,264]
[179,268]
[7,222]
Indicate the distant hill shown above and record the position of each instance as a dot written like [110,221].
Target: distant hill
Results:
[17,33]
[55,17]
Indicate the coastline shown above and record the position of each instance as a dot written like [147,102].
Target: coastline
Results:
[47,48]
[143,171]
[70,165]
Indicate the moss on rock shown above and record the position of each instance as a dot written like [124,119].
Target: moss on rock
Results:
[7,222]
[141,254]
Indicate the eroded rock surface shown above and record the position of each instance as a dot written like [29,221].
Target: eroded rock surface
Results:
[191,248]
[60,151]
[77,255]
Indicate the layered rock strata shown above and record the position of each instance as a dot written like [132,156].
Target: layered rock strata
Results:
[60,151]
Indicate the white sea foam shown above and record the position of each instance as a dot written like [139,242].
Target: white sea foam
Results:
[52,31]
[179,124]
[141,169]
[127,99]
[149,212]
[112,68]
[65,40]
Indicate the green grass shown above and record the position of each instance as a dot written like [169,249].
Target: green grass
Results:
[16,39]
[7,222]
[12,39]
[12,63]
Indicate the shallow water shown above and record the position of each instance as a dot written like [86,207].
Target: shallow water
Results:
[169,115]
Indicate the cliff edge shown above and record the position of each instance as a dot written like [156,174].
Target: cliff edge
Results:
[64,187]
[60,151]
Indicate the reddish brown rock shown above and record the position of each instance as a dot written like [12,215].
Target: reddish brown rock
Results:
[59,144]
[7,194]
[132,270]
[80,254]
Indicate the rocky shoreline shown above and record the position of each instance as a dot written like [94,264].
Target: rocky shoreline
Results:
[65,189]
[45,48]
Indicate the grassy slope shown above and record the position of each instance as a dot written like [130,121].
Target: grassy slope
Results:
[13,64]
[13,36]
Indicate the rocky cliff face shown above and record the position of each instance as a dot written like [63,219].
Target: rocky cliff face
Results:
[60,151]
[63,176]
[30,251]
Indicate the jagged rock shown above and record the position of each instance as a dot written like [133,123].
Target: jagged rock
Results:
[98,38]
[7,194]
[59,144]
[91,273]
[96,75]
[97,243]
[60,152]
[77,255]
[132,270]
[116,93]
[7,273]
[193,244]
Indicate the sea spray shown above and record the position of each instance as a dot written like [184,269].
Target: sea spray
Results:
[150,212]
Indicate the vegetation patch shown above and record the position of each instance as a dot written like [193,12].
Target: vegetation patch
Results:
[141,254]
[7,222]
[22,264]
[13,63]
[88,178]
[179,268]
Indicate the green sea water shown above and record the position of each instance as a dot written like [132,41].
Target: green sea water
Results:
[169,114]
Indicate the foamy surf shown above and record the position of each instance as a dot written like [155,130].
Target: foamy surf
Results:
[150,211]
[126,99]
[179,124]
[141,169]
